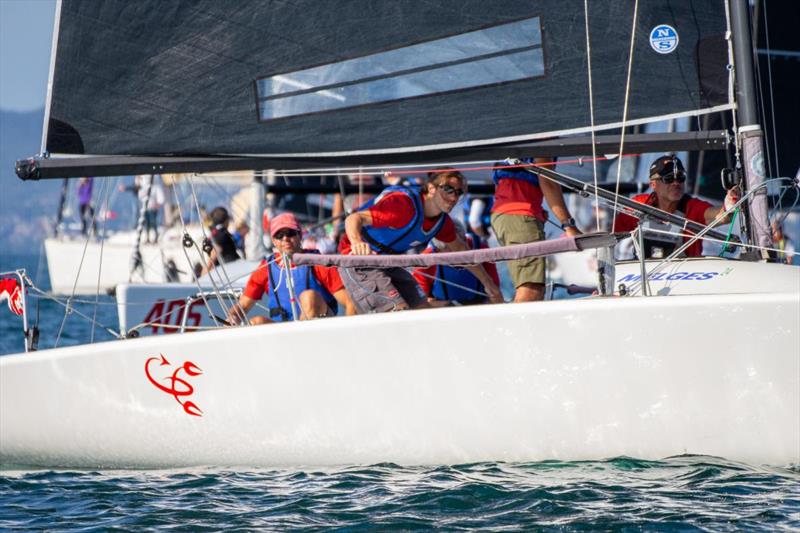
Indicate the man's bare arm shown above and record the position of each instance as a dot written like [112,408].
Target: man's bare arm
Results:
[555,199]
[353,225]
[238,311]
[344,299]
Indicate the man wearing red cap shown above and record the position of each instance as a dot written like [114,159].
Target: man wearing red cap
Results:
[318,289]
[667,177]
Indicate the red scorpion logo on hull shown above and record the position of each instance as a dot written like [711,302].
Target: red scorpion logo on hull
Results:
[178,387]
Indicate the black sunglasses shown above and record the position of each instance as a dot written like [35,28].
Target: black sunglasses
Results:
[449,189]
[282,234]
[669,178]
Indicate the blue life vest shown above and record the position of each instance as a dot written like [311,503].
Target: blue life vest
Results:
[486,214]
[516,174]
[443,289]
[303,278]
[400,240]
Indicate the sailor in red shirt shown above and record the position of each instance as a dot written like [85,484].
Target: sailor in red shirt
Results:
[667,177]
[518,217]
[399,219]
[318,288]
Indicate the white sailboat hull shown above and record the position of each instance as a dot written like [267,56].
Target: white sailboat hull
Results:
[74,263]
[575,379]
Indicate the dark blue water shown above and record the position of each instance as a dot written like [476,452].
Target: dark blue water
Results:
[677,494]
[76,329]
[687,493]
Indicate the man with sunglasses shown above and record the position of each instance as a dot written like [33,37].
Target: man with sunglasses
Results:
[518,217]
[667,177]
[318,289]
[396,221]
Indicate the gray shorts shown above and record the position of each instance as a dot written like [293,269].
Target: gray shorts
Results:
[376,290]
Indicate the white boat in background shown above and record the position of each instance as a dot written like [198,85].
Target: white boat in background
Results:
[674,356]
[77,262]
[163,308]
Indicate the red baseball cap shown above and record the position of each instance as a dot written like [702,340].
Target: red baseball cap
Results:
[283,221]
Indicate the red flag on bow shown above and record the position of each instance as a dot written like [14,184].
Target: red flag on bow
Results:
[11,291]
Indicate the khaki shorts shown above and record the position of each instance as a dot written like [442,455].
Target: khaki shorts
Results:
[520,229]
[375,290]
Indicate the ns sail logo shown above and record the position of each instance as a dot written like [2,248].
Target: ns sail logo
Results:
[663,39]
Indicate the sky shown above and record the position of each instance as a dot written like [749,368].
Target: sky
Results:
[26,35]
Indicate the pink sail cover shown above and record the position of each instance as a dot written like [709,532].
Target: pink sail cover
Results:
[468,257]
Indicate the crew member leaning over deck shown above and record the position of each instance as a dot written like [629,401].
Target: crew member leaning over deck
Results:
[667,177]
[399,219]
[319,288]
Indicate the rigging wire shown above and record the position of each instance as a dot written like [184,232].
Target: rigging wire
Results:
[186,253]
[100,262]
[771,91]
[67,304]
[229,198]
[221,264]
[712,239]
[760,101]
[625,107]
[730,232]
[452,283]
[701,235]
[68,310]
[591,106]
[779,205]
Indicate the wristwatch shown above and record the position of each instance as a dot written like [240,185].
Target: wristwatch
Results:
[570,223]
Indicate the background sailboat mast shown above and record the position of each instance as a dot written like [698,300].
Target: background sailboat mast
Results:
[749,131]
[254,244]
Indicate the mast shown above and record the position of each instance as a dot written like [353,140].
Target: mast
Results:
[61,203]
[254,243]
[750,135]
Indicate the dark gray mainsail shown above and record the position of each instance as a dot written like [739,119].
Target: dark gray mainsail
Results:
[308,79]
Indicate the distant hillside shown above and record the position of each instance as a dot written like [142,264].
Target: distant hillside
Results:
[27,207]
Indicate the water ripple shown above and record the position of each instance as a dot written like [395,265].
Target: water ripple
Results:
[686,493]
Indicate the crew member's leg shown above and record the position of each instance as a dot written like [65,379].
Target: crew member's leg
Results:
[154,224]
[528,274]
[313,305]
[408,288]
[372,290]
[84,218]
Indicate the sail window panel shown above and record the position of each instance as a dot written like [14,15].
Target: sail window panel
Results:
[502,53]
[518,66]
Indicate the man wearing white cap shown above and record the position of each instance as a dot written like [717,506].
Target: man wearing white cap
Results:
[319,289]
